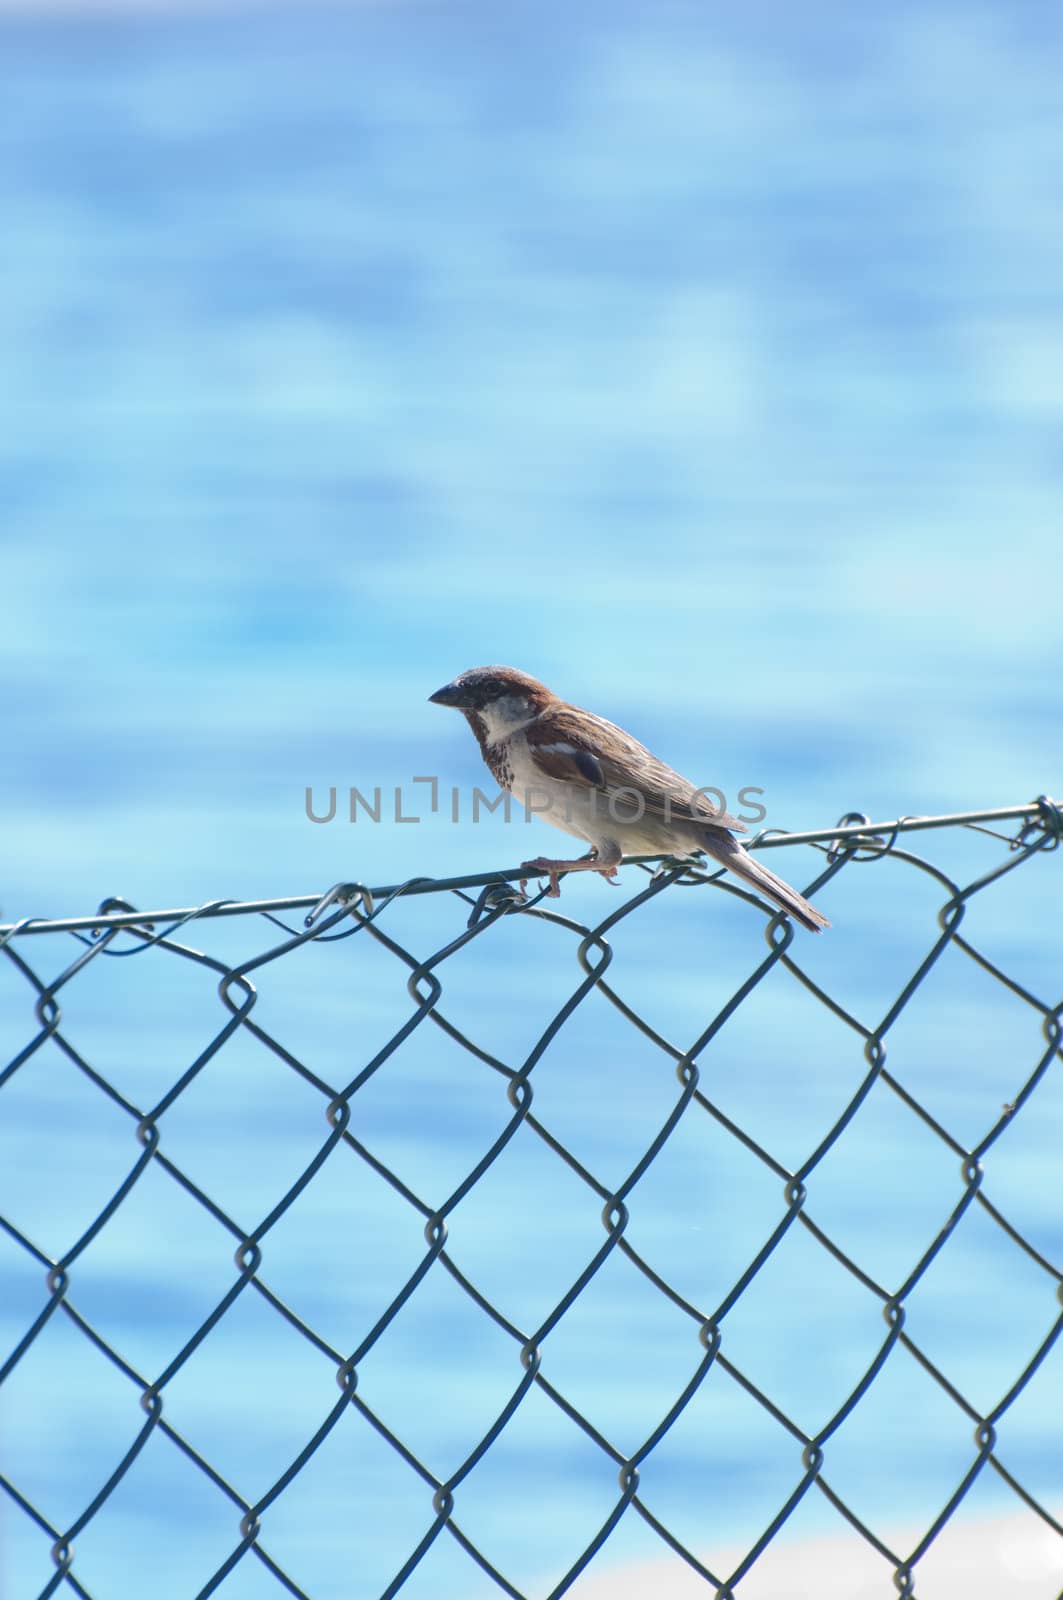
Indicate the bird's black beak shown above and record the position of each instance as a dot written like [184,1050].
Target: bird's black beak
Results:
[449,695]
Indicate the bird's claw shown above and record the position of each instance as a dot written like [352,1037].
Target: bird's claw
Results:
[541,865]
[553,870]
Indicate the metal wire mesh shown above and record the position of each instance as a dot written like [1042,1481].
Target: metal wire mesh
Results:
[478,909]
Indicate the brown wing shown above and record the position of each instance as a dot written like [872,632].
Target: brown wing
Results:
[578,747]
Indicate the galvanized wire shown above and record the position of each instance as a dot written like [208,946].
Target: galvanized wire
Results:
[482,902]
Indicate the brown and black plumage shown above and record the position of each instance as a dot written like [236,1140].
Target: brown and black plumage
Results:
[591,779]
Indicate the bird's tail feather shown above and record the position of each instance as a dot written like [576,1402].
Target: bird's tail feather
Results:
[737,859]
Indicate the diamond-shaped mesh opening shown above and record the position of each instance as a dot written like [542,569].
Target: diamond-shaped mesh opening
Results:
[623,1353]
[123,1282]
[121,1539]
[445,1242]
[905,1414]
[502,1221]
[984,1555]
[707,1499]
[805,1330]
[251,1392]
[888,1164]
[574,1500]
[357,1507]
[69,1417]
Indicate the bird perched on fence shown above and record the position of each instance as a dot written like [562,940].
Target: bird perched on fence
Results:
[591,779]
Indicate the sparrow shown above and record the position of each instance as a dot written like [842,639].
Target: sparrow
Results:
[593,780]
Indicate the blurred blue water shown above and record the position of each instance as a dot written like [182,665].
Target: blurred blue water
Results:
[707,364]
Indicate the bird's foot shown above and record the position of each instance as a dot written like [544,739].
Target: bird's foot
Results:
[544,866]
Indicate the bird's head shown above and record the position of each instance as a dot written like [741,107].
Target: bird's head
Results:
[496,700]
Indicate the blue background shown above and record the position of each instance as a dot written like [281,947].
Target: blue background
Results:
[708,364]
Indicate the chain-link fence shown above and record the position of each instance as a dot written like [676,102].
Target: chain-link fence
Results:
[517,1397]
